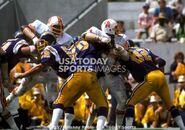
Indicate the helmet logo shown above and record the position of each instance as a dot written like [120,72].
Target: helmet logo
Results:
[107,24]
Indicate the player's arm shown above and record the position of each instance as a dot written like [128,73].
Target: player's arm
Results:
[121,53]
[45,60]
[158,61]
[32,71]
[27,50]
[95,38]
[29,31]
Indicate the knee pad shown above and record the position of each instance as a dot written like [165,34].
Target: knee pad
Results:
[130,111]
[102,111]
[120,107]
[174,112]
[120,112]
[69,110]
[58,106]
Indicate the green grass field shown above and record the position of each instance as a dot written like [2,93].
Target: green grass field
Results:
[112,128]
[132,129]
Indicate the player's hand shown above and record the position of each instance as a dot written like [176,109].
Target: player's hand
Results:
[105,40]
[121,52]
[18,75]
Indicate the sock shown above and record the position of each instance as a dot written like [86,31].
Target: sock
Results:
[89,122]
[119,121]
[100,122]
[68,121]
[12,123]
[129,122]
[57,113]
[177,117]
[129,117]
[179,122]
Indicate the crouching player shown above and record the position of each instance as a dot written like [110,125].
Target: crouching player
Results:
[146,68]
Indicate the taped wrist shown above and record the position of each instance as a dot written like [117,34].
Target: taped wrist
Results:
[32,48]
[35,40]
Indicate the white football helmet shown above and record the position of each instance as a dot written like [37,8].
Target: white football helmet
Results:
[56,25]
[109,26]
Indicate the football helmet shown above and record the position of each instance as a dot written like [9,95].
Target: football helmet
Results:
[109,26]
[55,25]
[46,38]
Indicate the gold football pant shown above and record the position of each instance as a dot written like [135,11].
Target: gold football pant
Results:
[154,81]
[76,85]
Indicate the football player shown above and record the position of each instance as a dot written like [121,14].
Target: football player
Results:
[19,48]
[146,68]
[113,80]
[78,82]
[15,49]
[33,31]
[54,25]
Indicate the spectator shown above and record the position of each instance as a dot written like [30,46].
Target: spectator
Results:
[180,69]
[180,29]
[144,22]
[34,103]
[177,5]
[162,117]
[149,116]
[180,87]
[166,10]
[121,27]
[153,4]
[140,109]
[37,110]
[161,32]
[179,57]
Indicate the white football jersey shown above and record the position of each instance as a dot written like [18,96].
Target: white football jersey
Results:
[121,39]
[41,27]
[97,31]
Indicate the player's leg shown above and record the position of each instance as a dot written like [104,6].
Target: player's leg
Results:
[93,111]
[164,93]
[94,91]
[140,92]
[68,117]
[91,116]
[69,111]
[58,106]
[70,91]
[118,90]
[9,119]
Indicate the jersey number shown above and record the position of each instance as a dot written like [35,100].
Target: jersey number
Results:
[75,49]
[139,55]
